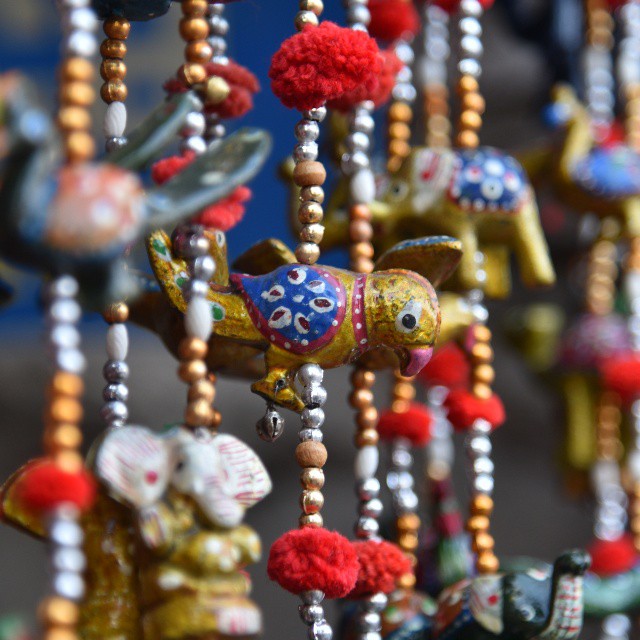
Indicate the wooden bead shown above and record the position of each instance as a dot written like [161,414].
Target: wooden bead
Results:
[468,84]
[198,413]
[192,73]
[407,581]
[202,390]
[76,70]
[118,312]
[312,478]
[217,90]
[192,370]
[360,231]
[113,49]
[192,349]
[360,212]
[361,250]
[113,69]
[487,562]
[309,172]
[69,461]
[408,522]
[311,454]
[59,612]
[361,398]
[80,94]
[366,438]
[66,384]
[64,436]
[311,520]
[467,139]
[310,213]
[311,501]
[400,112]
[399,131]
[74,119]
[363,378]
[117,28]
[114,91]
[315,6]
[65,409]
[194,7]
[80,146]
[362,264]
[198,51]
[313,193]
[194,29]
[481,505]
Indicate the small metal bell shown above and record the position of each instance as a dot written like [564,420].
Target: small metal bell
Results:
[271,425]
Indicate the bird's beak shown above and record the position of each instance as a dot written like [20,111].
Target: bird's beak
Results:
[413,360]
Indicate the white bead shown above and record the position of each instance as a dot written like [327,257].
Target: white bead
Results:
[633,463]
[362,186]
[605,472]
[68,584]
[117,342]
[198,321]
[366,463]
[115,120]
[471,46]
[441,450]
[82,43]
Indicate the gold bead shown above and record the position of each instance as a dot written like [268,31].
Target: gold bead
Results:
[311,501]
[202,389]
[192,73]
[408,541]
[366,437]
[399,148]
[198,413]
[394,163]
[316,6]
[118,312]
[198,51]
[312,478]
[470,120]
[192,370]
[217,90]
[74,119]
[80,146]
[487,562]
[310,212]
[468,84]
[312,233]
[311,454]
[467,139]
[304,19]
[362,378]
[114,91]
[361,398]
[113,69]
[69,461]
[408,522]
[113,49]
[66,384]
[64,436]
[404,390]
[361,250]
[312,193]
[59,612]
[481,505]
[474,102]
[483,541]
[360,231]
[399,131]
[481,333]
[117,28]
[194,7]
[478,523]
[76,70]
[400,112]
[191,348]
[360,212]
[484,373]
[307,253]
[311,520]
[60,633]
[367,417]
[308,173]
[482,352]
[481,390]
[216,420]
[407,581]
[66,409]
[194,29]
[80,94]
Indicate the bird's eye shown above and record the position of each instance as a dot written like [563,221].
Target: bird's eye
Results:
[407,320]
[398,190]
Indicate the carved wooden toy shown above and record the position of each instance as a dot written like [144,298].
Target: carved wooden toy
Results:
[300,313]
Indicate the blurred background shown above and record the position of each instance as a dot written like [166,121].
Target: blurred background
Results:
[534,514]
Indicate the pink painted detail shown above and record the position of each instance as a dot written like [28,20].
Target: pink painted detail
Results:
[418,358]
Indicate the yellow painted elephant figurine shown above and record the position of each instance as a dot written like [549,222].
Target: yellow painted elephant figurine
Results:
[296,314]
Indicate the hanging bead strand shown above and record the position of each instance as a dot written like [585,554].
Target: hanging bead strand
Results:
[114,411]
[311,455]
[629,70]
[114,90]
[218,29]
[434,76]
[469,70]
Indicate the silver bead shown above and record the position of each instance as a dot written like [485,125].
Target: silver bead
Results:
[65,336]
[307,130]
[404,51]
[195,288]
[471,27]
[371,508]
[352,162]
[406,500]
[312,418]
[203,268]
[115,391]
[314,396]
[218,44]
[190,243]
[358,14]
[401,457]
[470,67]
[311,613]
[70,360]
[321,631]
[357,141]
[114,143]
[371,635]
[313,596]
[368,621]
[115,371]
[483,484]
[68,584]
[404,76]
[194,125]
[366,528]
[305,151]
[404,92]
[310,434]
[114,410]
[318,114]
[83,19]
[69,559]
[480,446]
[397,480]
[368,489]
[196,144]
[481,426]
[270,426]
[62,287]
[483,465]
[471,46]
[65,311]
[65,533]
[362,122]
[376,602]
[310,375]
[471,8]
[82,44]
[219,26]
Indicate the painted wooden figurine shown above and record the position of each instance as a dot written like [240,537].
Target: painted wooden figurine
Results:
[295,313]
[131,9]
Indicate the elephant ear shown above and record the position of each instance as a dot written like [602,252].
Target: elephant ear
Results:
[264,257]
[135,465]
[486,598]
[434,257]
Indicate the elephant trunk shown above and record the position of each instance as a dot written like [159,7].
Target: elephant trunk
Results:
[566,611]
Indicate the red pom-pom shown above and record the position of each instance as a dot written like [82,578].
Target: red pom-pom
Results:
[165,169]
[226,214]
[46,486]
[242,84]
[392,19]
[381,565]
[464,409]
[413,424]
[323,63]
[622,375]
[609,557]
[451,6]
[449,367]
[380,93]
[310,558]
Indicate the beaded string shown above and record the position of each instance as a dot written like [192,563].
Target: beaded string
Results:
[218,29]
[628,68]
[113,71]
[434,76]
[59,612]
[598,66]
